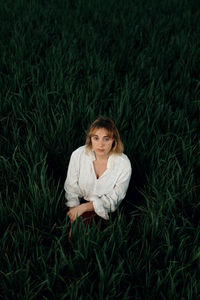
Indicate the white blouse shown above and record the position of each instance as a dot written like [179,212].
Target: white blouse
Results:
[107,191]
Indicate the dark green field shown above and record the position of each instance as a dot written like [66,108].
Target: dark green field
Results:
[63,63]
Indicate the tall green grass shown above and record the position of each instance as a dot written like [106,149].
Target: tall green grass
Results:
[62,64]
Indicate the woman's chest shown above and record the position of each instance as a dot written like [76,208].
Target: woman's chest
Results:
[99,168]
[89,182]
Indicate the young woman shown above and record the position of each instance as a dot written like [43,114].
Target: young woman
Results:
[98,174]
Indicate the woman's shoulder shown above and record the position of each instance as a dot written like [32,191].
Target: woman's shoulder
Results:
[123,160]
[79,151]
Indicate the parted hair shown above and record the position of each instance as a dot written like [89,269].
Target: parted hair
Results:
[109,125]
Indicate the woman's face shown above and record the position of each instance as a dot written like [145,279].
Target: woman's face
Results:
[101,142]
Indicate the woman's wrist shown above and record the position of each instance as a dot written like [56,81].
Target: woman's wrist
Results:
[88,206]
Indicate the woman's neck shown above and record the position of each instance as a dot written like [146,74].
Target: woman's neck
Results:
[101,158]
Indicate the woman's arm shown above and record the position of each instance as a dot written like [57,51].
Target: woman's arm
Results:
[72,191]
[77,211]
[106,203]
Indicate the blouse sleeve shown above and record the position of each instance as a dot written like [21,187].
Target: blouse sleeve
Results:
[72,191]
[106,203]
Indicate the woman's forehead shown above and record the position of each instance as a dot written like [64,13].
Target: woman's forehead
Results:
[101,131]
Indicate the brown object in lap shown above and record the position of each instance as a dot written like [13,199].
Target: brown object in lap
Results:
[87,218]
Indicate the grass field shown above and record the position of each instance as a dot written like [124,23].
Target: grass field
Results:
[63,63]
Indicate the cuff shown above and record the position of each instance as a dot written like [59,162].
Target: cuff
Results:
[72,203]
[99,209]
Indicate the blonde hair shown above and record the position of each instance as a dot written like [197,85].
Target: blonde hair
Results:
[109,125]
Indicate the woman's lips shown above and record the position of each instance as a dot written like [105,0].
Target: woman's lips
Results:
[101,150]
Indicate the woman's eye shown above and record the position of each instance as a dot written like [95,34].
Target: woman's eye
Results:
[107,139]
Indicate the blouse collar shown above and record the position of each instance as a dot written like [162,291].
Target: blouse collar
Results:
[110,159]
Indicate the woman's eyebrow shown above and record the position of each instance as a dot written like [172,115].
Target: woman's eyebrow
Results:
[98,136]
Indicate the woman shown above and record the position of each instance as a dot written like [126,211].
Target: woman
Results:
[98,173]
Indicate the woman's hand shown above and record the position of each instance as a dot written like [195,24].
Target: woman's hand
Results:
[75,212]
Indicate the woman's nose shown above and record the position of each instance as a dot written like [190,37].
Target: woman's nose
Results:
[101,142]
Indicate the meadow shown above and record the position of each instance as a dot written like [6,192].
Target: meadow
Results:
[63,63]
